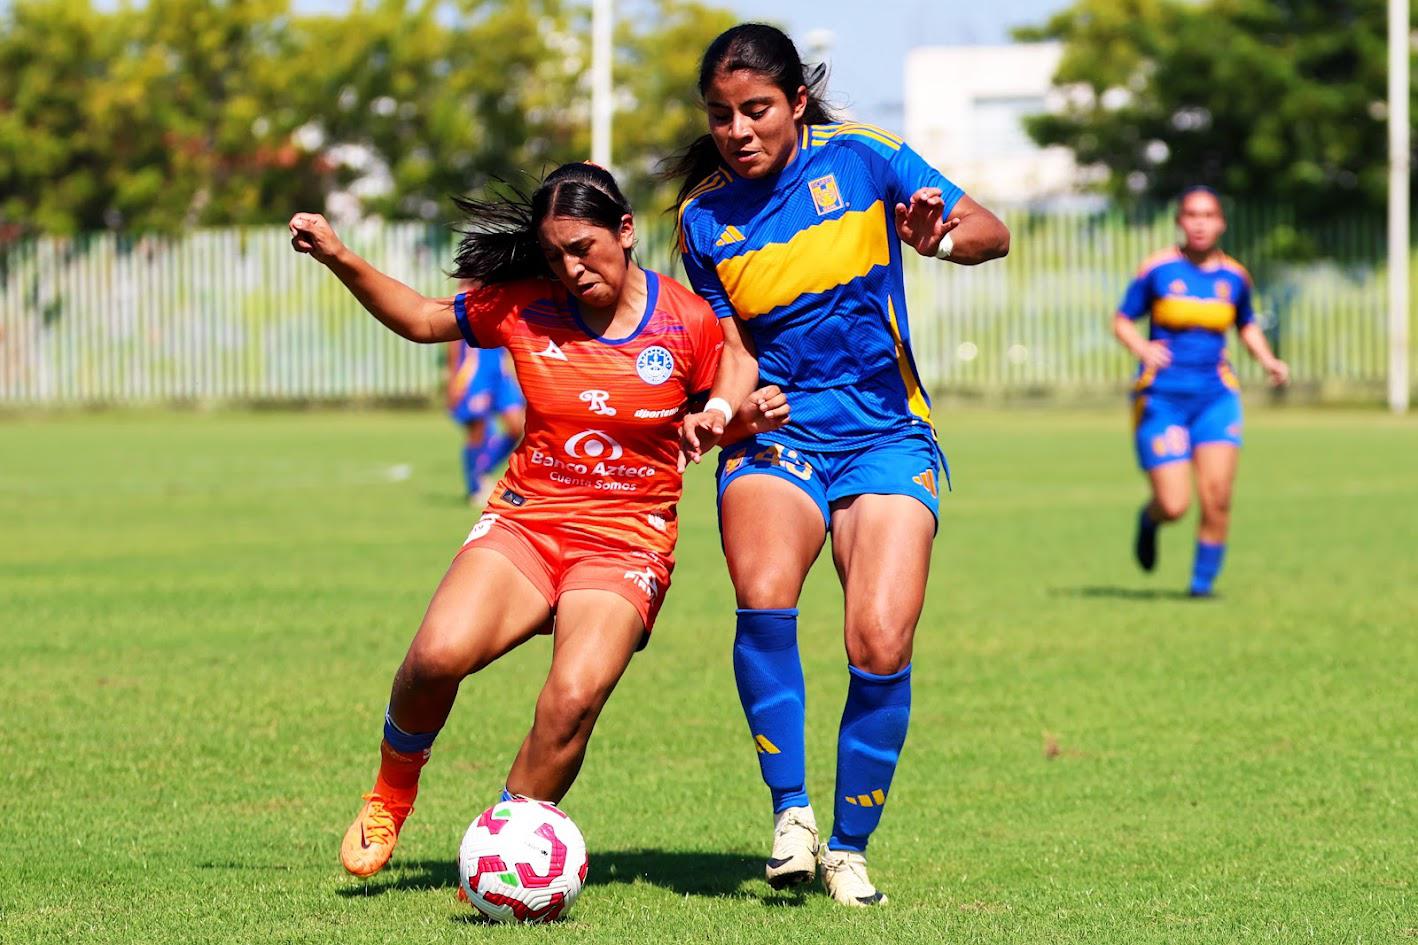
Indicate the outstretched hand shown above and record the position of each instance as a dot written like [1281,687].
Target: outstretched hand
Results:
[311,233]
[765,410]
[698,434]
[922,225]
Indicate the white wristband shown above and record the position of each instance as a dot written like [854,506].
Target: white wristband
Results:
[721,405]
[946,247]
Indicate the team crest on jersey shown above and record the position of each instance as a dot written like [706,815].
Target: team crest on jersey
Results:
[825,195]
[1178,287]
[655,365]
[1223,290]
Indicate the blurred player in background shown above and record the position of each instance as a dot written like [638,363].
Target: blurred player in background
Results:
[792,226]
[1186,401]
[579,535]
[483,395]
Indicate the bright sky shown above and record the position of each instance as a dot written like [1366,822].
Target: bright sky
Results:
[871,38]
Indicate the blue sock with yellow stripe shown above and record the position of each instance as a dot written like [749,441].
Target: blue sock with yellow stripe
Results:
[769,675]
[868,748]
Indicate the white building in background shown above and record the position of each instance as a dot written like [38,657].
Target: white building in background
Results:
[964,112]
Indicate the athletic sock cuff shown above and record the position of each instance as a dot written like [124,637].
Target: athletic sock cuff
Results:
[406,742]
[767,629]
[874,679]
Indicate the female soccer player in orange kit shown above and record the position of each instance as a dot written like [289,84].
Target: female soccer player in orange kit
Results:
[580,533]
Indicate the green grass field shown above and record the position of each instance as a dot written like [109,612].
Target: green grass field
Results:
[201,613]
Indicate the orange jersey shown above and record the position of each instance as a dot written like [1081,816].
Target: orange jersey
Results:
[601,450]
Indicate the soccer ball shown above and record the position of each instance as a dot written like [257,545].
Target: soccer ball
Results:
[522,861]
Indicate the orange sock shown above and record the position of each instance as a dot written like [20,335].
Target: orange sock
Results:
[399,773]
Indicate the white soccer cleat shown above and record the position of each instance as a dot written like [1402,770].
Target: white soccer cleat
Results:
[795,848]
[844,873]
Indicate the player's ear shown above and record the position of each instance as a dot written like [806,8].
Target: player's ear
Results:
[627,232]
[800,103]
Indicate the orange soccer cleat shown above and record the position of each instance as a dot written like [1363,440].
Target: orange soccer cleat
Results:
[370,841]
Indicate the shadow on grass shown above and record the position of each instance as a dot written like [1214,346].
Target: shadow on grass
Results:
[1119,593]
[680,872]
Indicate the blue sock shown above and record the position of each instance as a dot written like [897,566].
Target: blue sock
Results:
[1206,566]
[770,681]
[868,748]
[406,743]
[497,448]
[472,477]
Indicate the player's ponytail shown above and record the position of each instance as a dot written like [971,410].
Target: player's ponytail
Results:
[499,236]
[758,48]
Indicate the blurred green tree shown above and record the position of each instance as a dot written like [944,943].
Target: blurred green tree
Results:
[1266,100]
[189,112]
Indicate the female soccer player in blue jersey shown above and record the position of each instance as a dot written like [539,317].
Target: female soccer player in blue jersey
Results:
[1186,402]
[792,226]
[483,395]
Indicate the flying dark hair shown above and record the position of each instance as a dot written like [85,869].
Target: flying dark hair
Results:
[755,47]
[499,236]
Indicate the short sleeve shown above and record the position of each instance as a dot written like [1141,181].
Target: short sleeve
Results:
[702,278]
[707,338]
[1137,300]
[483,315]
[1245,309]
[905,172]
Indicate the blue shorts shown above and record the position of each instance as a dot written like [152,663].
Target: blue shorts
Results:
[1167,426]
[487,397]
[912,465]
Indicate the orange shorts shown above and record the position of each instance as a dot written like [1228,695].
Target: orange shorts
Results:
[557,559]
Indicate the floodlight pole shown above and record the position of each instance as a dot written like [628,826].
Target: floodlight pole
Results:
[602,18]
[1398,170]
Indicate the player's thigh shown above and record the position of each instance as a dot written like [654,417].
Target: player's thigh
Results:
[484,606]
[772,516]
[1171,485]
[881,545]
[597,633]
[1215,464]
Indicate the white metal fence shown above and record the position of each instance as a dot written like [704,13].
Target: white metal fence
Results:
[236,315]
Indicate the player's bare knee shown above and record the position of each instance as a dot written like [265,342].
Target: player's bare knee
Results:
[881,651]
[765,589]
[1171,508]
[567,712]
[434,659]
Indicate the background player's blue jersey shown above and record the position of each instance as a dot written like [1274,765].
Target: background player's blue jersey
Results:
[810,259]
[1191,308]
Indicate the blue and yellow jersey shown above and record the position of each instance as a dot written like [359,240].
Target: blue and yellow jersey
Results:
[480,368]
[810,259]
[1190,308]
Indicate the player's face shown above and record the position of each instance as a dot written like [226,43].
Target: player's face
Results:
[589,259]
[752,122]
[1201,222]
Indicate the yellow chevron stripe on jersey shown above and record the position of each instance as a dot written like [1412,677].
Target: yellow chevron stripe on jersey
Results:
[816,259]
[714,181]
[1173,312]
[823,133]
[915,392]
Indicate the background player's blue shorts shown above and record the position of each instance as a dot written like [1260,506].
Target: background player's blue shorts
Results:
[1167,426]
[911,465]
[489,393]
